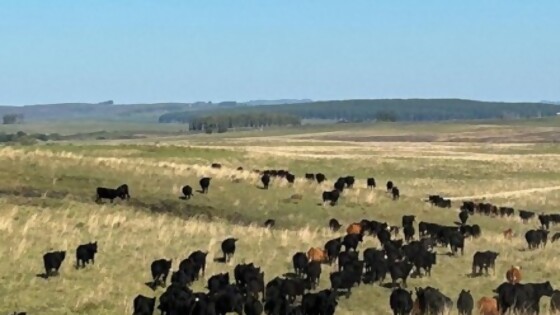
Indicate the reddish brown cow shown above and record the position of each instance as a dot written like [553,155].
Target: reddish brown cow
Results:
[513,275]
[508,234]
[488,306]
[316,254]
[354,228]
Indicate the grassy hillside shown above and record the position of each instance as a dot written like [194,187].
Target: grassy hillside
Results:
[47,200]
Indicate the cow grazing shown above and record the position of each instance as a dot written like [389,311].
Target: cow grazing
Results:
[144,305]
[522,298]
[331,196]
[334,225]
[526,215]
[351,241]
[349,181]
[240,168]
[400,270]
[265,180]
[160,270]
[218,282]
[340,184]
[484,260]
[401,302]
[555,237]
[332,249]
[269,223]
[320,303]
[536,238]
[111,194]
[187,191]
[319,177]
[463,217]
[216,165]
[310,176]
[316,254]
[52,262]
[205,184]
[199,260]
[432,301]
[513,275]
[465,303]
[228,248]
[487,306]
[545,220]
[86,253]
[390,186]
[395,193]
[371,183]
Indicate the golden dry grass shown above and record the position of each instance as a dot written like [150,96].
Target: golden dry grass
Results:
[47,205]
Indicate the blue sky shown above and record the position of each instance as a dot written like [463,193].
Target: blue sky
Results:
[201,50]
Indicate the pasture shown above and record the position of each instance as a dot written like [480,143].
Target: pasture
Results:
[47,202]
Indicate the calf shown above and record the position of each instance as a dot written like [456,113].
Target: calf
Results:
[290,178]
[340,184]
[389,186]
[484,260]
[228,248]
[310,176]
[299,261]
[319,177]
[269,223]
[371,183]
[401,301]
[555,237]
[488,306]
[111,194]
[513,275]
[205,184]
[216,165]
[187,191]
[86,253]
[52,261]
[465,303]
[144,305]
[463,217]
[160,270]
[316,254]
[349,180]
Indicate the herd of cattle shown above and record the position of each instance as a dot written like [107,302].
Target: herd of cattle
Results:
[414,255]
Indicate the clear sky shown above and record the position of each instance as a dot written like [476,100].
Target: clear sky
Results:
[202,50]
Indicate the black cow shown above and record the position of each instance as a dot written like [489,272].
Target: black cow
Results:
[310,176]
[269,223]
[536,237]
[334,225]
[463,217]
[205,184]
[432,301]
[333,247]
[408,220]
[351,241]
[345,279]
[228,248]
[160,270]
[187,191]
[340,184]
[290,178]
[522,298]
[109,193]
[85,253]
[346,258]
[199,259]
[526,215]
[331,196]
[484,260]
[144,305]
[408,233]
[555,237]
[294,288]
[400,270]
[252,306]
[465,303]
[216,165]
[456,242]
[313,273]
[506,211]
[545,221]
[390,185]
[349,180]
[371,183]
[395,192]
[401,302]
[299,261]
[52,261]
[320,303]
[320,178]
[218,282]
[265,180]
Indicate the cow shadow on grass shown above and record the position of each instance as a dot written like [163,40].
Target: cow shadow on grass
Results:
[42,275]
[152,285]
[260,187]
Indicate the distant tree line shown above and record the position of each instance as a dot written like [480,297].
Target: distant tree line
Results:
[223,122]
[21,137]
[386,110]
[10,119]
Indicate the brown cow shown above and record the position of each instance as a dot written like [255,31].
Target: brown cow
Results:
[416,308]
[508,234]
[354,228]
[513,275]
[316,254]
[488,306]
